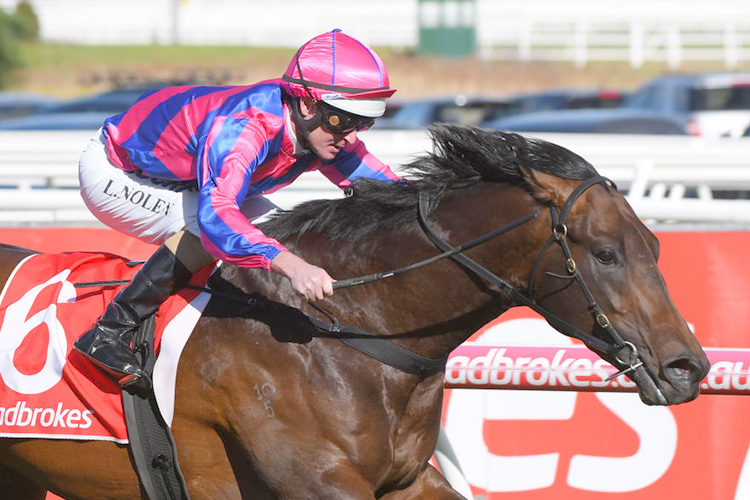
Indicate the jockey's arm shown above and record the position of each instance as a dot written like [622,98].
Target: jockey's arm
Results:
[225,170]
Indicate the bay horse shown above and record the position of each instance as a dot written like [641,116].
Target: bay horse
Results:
[489,220]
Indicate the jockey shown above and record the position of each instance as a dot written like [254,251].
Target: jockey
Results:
[187,167]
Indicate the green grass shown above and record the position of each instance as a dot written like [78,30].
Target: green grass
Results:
[68,70]
[39,56]
[71,70]
[74,70]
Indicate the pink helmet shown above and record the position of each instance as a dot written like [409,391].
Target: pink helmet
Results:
[342,71]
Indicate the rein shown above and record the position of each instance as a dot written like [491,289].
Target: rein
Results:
[382,349]
[346,283]
[616,347]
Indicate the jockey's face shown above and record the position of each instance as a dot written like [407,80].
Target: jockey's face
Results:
[323,142]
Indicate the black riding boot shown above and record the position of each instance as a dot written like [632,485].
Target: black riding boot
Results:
[108,342]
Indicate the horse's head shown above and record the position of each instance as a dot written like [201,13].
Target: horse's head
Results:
[586,262]
[600,273]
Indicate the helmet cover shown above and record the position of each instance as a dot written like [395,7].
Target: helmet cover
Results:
[342,71]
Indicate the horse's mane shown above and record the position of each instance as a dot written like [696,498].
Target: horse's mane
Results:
[462,156]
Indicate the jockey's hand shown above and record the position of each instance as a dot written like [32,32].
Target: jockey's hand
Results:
[312,282]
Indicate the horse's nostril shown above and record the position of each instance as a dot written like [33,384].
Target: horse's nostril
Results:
[683,371]
[681,366]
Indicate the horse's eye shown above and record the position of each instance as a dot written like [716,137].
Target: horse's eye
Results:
[606,257]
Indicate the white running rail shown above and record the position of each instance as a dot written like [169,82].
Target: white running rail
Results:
[668,178]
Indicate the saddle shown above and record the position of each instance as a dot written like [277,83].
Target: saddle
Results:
[46,304]
[48,390]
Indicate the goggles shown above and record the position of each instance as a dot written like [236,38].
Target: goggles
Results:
[341,122]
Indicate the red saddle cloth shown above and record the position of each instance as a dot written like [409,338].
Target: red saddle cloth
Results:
[47,389]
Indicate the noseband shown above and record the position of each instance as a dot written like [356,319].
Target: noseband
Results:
[614,346]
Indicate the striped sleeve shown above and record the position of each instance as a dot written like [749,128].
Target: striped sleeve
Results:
[233,149]
[355,162]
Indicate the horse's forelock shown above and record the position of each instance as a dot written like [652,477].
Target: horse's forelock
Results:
[462,155]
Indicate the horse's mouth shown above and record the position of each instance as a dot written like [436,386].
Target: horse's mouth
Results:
[648,389]
[676,382]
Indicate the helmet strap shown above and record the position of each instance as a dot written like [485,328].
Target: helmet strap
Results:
[304,127]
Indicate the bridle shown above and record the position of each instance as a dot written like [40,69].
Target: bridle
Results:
[614,347]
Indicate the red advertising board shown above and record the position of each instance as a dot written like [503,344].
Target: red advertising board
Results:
[573,367]
[529,445]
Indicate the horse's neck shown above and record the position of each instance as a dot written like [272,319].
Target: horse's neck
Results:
[433,309]
[430,310]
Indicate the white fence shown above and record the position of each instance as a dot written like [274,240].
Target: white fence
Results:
[667,178]
[635,31]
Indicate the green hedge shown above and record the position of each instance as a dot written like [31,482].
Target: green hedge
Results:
[21,25]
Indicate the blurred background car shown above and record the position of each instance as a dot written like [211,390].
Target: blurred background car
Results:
[463,109]
[84,113]
[13,104]
[570,98]
[592,121]
[715,104]
[114,102]
[709,104]
[88,120]
[474,110]
[712,104]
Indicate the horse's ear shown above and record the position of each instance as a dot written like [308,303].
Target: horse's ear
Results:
[545,187]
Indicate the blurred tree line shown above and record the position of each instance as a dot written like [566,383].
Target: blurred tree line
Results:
[21,25]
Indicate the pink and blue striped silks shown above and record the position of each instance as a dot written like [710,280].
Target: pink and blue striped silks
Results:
[235,141]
